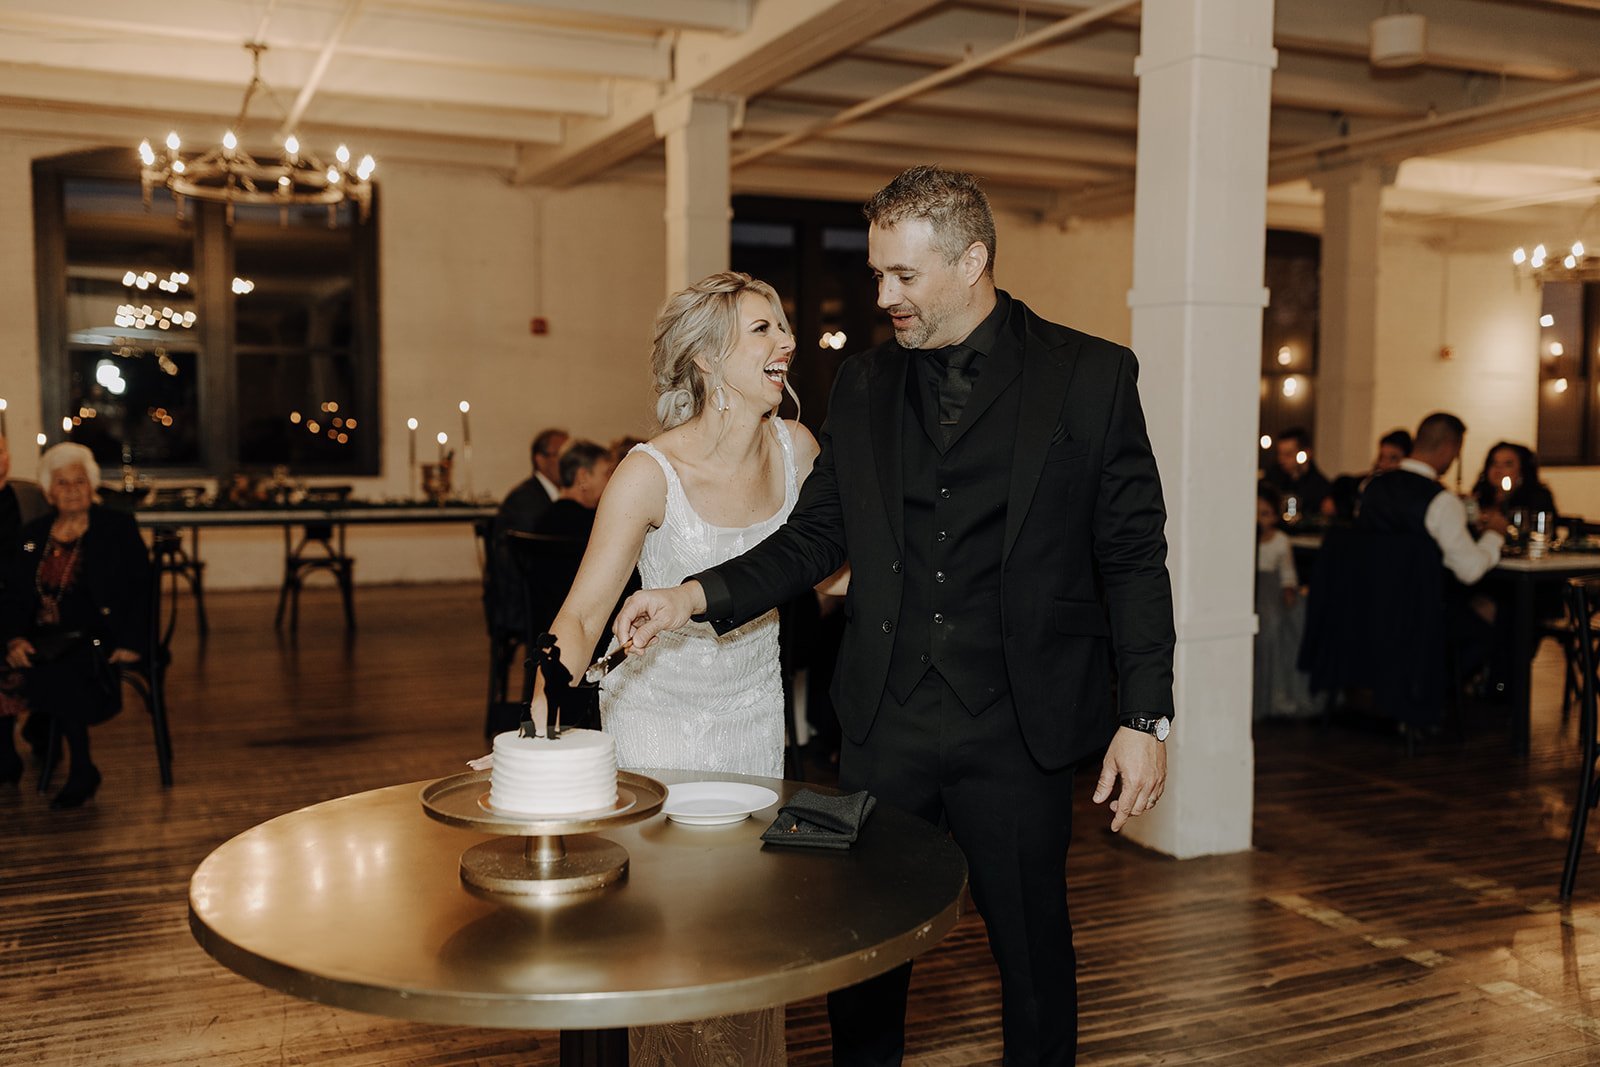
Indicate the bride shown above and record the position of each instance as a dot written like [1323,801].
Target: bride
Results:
[722,475]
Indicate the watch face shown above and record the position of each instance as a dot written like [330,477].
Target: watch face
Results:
[1163,727]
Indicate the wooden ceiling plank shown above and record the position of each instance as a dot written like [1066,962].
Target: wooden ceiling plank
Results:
[782,40]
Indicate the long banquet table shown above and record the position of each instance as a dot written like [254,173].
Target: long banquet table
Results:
[358,903]
[298,514]
[1522,576]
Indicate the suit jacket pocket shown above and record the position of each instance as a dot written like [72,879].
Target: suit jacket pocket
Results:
[1083,617]
[1067,451]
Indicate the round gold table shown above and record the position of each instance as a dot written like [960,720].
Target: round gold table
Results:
[358,903]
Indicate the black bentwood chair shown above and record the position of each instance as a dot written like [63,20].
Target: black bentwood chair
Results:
[321,548]
[1583,598]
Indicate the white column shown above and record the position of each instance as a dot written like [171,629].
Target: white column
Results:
[696,128]
[1205,74]
[1347,337]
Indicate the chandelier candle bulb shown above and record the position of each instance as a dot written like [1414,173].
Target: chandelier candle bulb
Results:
[443,440]
[3,406]
[466,429]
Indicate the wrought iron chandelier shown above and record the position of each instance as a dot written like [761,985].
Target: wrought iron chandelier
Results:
[1578,262]
[229,175]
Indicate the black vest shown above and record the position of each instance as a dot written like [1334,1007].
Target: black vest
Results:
[955,520]
[1396,502]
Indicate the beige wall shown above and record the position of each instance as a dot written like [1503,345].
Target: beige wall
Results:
[465,261]
[1437,294]
[1078,276]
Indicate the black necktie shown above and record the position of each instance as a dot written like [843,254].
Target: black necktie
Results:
[955,384]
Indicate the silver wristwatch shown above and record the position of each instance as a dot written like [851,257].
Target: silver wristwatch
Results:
[1156,728]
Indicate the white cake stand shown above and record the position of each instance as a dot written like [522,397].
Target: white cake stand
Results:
[539,856]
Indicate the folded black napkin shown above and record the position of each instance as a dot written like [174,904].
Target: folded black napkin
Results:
[812,820]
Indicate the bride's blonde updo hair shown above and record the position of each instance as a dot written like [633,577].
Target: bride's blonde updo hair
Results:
[702,320]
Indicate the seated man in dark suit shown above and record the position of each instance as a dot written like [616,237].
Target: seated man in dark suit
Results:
[527,502]
[1410,500]
[521,510]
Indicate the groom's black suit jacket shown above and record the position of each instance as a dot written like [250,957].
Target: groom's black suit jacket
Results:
[1083,557]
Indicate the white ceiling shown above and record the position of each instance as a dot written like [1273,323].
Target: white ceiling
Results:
[1502,123]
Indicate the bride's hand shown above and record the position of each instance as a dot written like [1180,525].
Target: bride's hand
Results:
[650,611]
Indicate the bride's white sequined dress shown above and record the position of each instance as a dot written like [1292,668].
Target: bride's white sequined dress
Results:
[696,701]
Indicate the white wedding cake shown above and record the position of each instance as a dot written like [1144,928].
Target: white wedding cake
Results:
[575,772]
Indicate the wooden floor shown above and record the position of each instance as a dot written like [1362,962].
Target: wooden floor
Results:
[1394,911]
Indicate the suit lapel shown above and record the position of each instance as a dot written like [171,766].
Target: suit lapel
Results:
[1046,374]
[886,399]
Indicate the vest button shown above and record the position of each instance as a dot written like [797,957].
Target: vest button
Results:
[945,493]
[923,658]
[895,566]
[938,576]
[888,627]
[938,618]
[940,536]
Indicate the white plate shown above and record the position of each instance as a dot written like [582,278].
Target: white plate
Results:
[715,803]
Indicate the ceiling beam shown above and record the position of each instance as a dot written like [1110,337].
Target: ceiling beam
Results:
[96,129]
[764,120]
[783,40]
[712,16]
[1484,36]
[938,79]
[439,41]
[151,106]
[1567,106]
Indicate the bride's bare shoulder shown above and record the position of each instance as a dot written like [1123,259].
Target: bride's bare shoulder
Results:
[637,486]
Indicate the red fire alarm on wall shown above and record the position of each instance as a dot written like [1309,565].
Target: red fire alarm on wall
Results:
[538,325]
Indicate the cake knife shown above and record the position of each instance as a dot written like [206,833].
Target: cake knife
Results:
[605,665]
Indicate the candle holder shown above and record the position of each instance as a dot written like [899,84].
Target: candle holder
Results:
[436,481]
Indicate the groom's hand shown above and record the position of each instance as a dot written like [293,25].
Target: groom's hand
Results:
[1141,762]
[650,611]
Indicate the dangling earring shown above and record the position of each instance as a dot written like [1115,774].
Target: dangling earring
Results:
[719,400]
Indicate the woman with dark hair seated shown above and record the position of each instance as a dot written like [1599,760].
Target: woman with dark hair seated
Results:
[1510,483]
[75,604]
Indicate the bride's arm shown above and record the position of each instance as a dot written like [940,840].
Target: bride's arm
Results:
[634,502]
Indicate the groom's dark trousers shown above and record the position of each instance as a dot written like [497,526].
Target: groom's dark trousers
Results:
[996,564]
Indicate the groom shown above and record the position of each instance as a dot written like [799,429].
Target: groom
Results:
[989,479]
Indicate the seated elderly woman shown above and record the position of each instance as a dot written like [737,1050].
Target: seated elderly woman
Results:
[74,604]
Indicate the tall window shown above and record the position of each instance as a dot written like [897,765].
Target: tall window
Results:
[1569,350]
[192,343]
[1289,335]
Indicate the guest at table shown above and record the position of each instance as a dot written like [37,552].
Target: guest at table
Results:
[1295,473]
[1410,499]
[20,503]
[1345,492]
[1509,483]
[584,470]
[75,606]
[521,510]
[1281,689]
[528,501]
